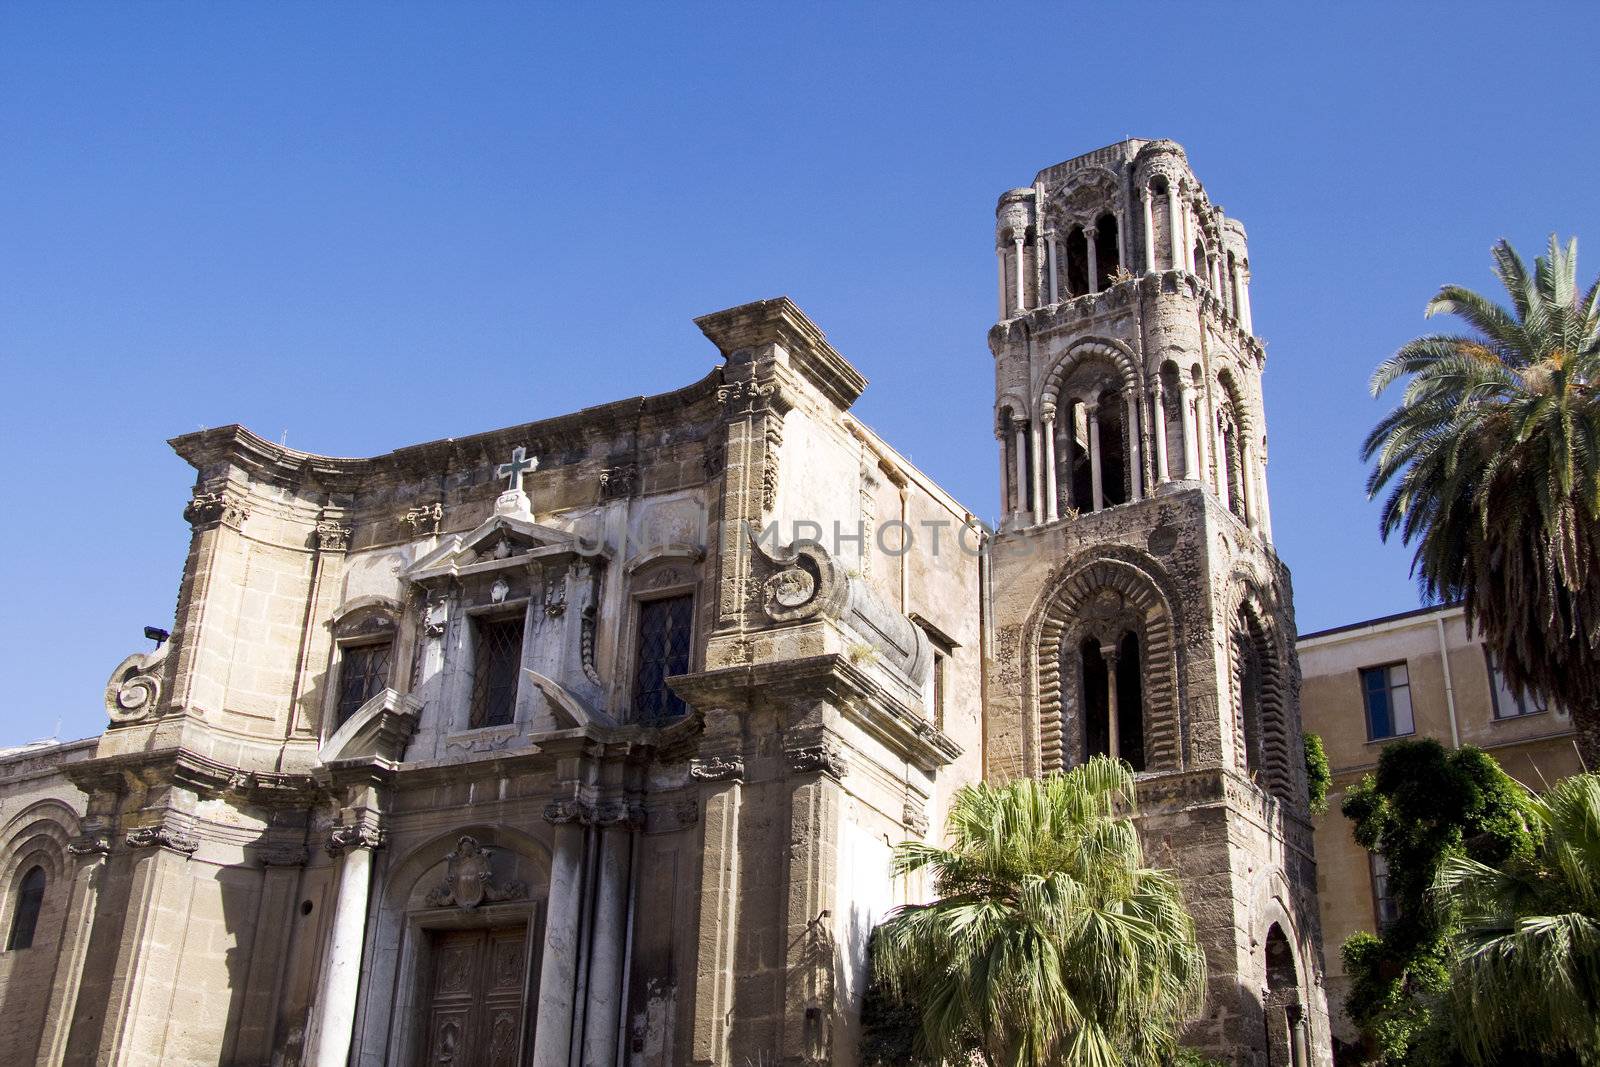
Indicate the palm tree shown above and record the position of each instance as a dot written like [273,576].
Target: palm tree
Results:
[1493,459]
[1525,973]
[1050,941]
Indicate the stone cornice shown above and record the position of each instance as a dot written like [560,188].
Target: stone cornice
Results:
[778,321]
[192,770]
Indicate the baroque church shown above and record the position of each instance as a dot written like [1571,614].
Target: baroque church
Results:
[588,741]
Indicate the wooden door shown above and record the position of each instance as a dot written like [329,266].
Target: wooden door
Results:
[475,1008]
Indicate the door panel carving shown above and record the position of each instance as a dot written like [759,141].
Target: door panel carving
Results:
[476,1002]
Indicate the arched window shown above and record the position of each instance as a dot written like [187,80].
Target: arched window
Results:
[1160,241]
[25,915]
[1233,290]
[1109,699]
[1077,251]
[1248,661]
[1113,450]
[1200,259]
[1107,250]
[1230,458]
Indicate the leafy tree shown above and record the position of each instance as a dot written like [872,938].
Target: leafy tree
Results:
[1423,805]
[1049,942]
[1526,971]
[1319,776]
[1492,460]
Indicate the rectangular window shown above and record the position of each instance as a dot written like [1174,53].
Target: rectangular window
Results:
[496,663]
[664,631]
[363,672]
[938,689]
[1387,908]
[1387,692]
[1507,705]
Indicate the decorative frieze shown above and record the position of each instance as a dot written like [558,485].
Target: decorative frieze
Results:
[619,812]
[567,810]
[282,856]
[332,536]
[424,519]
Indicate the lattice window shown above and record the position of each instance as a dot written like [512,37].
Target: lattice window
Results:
[665,627]
[494,674]
[363,672]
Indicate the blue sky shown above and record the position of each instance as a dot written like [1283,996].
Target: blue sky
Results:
[363,226]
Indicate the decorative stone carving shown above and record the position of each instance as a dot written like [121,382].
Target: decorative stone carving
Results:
[586,642]
[134,691]
[208,510]
[715,457]
[915,817]
[716,769]
[359,835]
[619,812]
[769,463]
[87,845]
[498,591]
[469,879]
[424,519]
[435,615]
[162,836]
[618,481]
[332,536]
[282,856]
[555,592]
[792,587]
[568,810]
[816,759]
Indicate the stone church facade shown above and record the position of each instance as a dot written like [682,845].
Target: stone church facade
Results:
[587,741]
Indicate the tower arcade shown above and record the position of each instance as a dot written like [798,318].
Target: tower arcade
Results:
[1139,607]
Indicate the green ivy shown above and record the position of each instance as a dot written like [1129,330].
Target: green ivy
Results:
[1423,804]
[1318,774]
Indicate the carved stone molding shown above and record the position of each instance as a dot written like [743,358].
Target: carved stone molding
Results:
[816,759]
[209,510]
[332,536]
[162,837]
[134,690]
[769,463]
[717,769]
[358,835]
[469,879]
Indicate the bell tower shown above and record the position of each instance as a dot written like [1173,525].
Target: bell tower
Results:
[1138,605]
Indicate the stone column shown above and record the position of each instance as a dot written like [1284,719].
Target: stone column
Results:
[1122,234]
[1051,509]
[1191,444]
[602,1018]
[558,971]
[334,1021]
[1174,226]
[1094,258]
[1263,505]
[1091,413]
[1020,439]
[1135,453]
[1246,487]
[1034,433]
[1145,197]
[1007,503]
[1000,259]
[1113,727]
[1050,244]
[1244,302]
[1018,237]
[1160,434]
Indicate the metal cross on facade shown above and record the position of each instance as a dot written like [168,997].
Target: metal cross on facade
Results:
[514,470]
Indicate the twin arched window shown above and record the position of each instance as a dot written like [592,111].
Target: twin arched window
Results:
[25,913]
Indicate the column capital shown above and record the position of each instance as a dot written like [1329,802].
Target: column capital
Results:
[356,835]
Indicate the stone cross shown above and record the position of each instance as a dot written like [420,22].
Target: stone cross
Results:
[514,470]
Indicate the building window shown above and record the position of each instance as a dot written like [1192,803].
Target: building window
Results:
[1387,692]
[1508,705]
[1387,908]
[25,916]
[363,672]
[496,662]
[663,650]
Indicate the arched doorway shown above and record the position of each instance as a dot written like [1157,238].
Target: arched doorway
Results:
[1284,1027]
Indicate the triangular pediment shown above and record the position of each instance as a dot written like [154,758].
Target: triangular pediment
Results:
[503,540]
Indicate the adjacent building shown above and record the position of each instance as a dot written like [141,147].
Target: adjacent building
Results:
[1417,674]
[587,741]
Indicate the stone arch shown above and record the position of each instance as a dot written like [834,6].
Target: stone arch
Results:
[1259,683]
[1114,353]
[1125,595]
